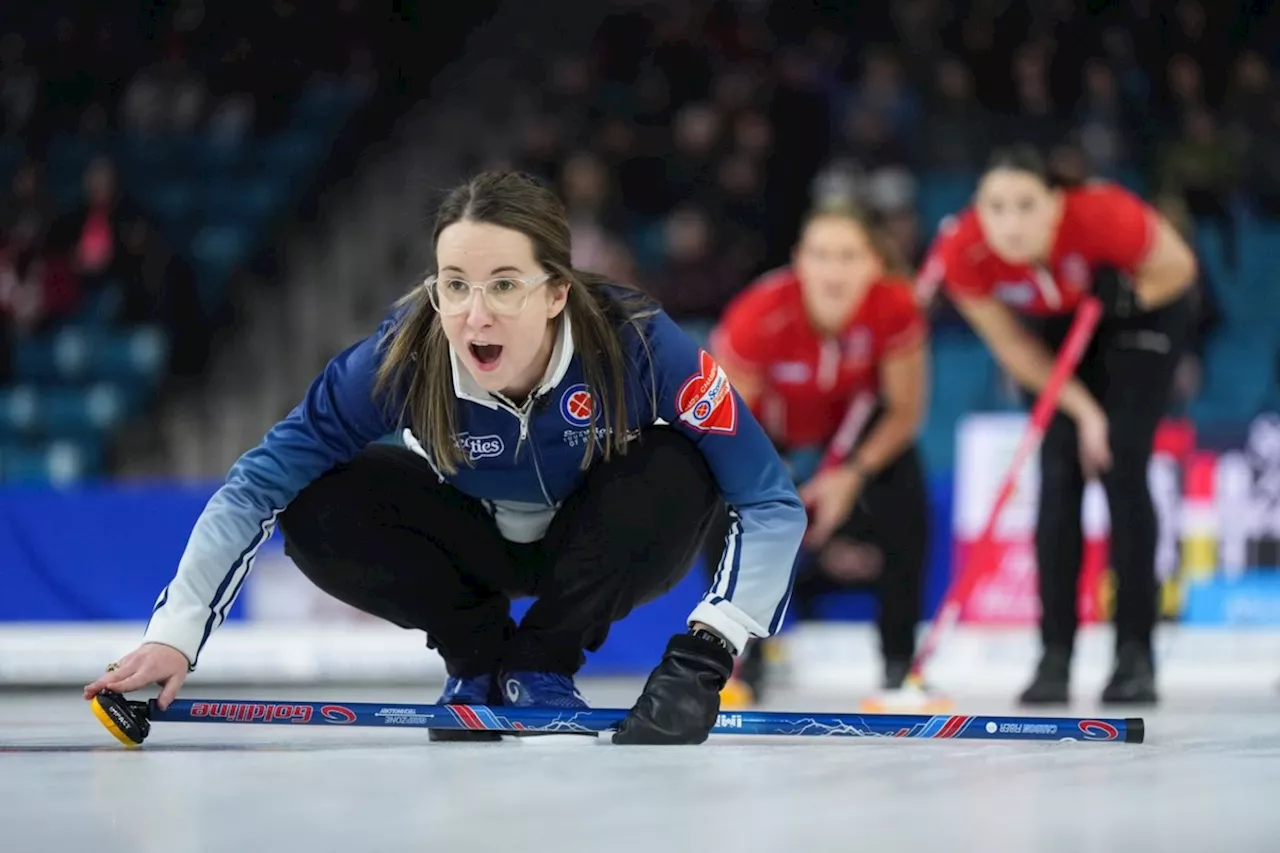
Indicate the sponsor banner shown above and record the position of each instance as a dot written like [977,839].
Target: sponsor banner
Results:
[1007,595]
[1007,591]
[1249,601]
[1217,502]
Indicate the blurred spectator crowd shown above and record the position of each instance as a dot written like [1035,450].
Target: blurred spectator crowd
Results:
[76,78]
[688,141]
[690,138]
[145,146]
[148,146]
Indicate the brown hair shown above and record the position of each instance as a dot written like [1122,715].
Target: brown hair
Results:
[885,249]
[1027,159]
[417,366]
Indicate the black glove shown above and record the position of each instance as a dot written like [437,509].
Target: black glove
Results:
[1114,289]
[681,699]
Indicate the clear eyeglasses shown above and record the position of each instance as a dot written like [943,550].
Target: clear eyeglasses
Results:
[506,296]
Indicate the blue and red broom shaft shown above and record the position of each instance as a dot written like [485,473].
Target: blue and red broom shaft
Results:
[555,720]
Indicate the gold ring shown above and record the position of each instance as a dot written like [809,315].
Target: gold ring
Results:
[113,666]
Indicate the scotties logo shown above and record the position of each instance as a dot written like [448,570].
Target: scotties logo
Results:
[576,404]
[481,446]
[705,400]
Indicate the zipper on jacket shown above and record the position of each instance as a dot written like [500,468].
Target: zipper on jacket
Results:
[521,413]
[524,414]
[537,469]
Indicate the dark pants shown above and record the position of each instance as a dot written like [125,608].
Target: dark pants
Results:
[382,534]
[891,517]
[1129,368]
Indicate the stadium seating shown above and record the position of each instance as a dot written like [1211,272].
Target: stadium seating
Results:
[212,199]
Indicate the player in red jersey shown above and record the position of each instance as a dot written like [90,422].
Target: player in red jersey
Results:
[835,334]
[1016,264]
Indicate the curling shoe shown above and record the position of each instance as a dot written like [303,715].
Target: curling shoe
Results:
[896,671]
[476,690]
[541,689]
[1050,686]
[1133,682]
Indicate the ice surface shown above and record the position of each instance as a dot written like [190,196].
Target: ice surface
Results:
[1208,779]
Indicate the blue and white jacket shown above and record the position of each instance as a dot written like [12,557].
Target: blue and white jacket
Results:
[338,417]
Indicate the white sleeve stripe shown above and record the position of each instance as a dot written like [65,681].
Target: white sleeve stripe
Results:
[234,580]
[267,529]
[733,544]
[781,612]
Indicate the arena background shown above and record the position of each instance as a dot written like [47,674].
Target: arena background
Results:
[202,202]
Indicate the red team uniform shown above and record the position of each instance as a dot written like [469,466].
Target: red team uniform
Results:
[1103,237]
[809,380]
[1101,225]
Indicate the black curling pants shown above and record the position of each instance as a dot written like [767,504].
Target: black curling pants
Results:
[382,534]
[1128,367]
[891,518]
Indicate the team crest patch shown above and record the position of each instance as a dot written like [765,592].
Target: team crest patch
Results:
[705,401]
[576,405]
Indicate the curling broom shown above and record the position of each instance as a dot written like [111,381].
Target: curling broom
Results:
[981,556]
[130,721]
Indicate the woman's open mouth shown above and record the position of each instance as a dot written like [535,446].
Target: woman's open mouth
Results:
[486,355]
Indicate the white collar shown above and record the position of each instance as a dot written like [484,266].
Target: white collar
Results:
[466,387]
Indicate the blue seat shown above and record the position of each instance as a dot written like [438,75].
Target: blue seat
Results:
[222,243]
[324,106]
[963,379]
[1239,375]
[132,355]
[102,307]
[219,249]
[289,155]
[1132,179]
[57,462]
[1272,401]
[61,356]
[938,440]
[1210,249]
[212,154]
[964,371]
[1259,296]
[83,352]
[171,201]
[943,194]
[144,156]
[648,242]
[81,412]
[250,200]
[19,410]
[35,359]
